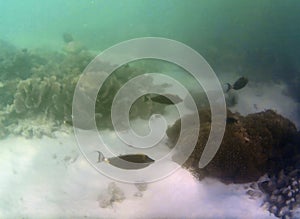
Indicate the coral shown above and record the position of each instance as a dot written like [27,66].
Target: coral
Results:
[47,96]
[3,130]
[73,47]
[39,107]
[109,89]
[251,146]
[112,194]
[7,90]
[17,63]
[37,127]
[38,86]
[36,95]
[141,186]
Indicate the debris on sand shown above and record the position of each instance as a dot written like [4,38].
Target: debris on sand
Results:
[112,194]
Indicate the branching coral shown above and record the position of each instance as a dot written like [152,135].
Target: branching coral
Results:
[36,95]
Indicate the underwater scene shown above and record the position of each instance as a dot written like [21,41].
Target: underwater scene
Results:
[150,109]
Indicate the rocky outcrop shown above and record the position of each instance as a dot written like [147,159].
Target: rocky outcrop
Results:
[282,192]
[252,146]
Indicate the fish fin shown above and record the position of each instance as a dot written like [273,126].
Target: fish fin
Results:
[240,83]
[146,98]
[228,88]
[101,157]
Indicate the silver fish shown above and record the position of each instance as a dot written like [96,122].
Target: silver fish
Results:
[127,161]
[167,99]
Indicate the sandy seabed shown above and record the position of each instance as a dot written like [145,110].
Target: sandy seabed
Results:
[49,178]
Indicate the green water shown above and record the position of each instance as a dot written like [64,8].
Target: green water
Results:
[257,32]
[258,39]
[103,23]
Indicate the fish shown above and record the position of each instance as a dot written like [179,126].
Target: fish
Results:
[67,37]
[68,120]
[167,99]
[127,161]
[232,119]
[237,85]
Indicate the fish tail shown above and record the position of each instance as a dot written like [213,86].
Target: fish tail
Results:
[227,88]
[101,157]
[146,98]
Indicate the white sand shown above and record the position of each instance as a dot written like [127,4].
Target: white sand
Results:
[257,97]
[48,178]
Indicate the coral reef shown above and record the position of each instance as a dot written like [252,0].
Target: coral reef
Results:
[39,107]
[7,90]
[252,146]
[282,193]
[47,96]
[141,188]
[37,127]
[18,63]
[37,89]
[32,94]
[3,130]
[281,189]
[111,86]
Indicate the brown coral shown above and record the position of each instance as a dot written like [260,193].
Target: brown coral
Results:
[251,146]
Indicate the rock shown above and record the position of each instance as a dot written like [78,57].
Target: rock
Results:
[295,173]
[281,182]
[266,205]
[273,199]
[254,194]
[239,160]
[297,198]
[283,211]
[73,47]
[285,197]
[286,190]
[276,192]
[294,184]
[286,217]
[253,185]
[257,145]
[273,209]
[267,186]
[280,200]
